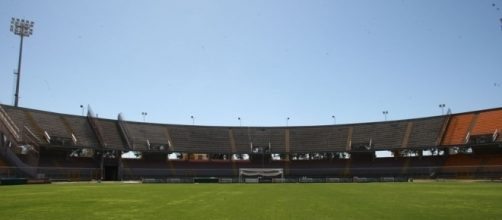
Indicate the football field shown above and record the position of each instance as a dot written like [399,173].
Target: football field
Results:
[433,200]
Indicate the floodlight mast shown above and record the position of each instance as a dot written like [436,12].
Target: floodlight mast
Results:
[23,28]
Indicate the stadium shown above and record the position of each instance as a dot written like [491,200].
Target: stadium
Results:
[313,81]
[59,147]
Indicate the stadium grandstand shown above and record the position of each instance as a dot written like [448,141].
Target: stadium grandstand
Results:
[37,144]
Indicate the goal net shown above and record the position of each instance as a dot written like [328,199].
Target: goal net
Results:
[260,172]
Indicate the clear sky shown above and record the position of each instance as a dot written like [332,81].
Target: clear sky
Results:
[261,60]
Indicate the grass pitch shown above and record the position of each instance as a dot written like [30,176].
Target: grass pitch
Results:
[253,201]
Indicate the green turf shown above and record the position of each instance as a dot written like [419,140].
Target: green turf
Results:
[253,201]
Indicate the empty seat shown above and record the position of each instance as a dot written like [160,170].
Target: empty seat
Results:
[457,129]
[488,122]
[426,132]
[111,134]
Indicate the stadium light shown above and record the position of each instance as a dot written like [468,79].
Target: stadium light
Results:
[385,114]
[22,28]
[193,119]
[240,121]
[334,119]
[442,108]
[287,121]
[144,114]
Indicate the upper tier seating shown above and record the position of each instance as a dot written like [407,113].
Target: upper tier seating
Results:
[82,130]
[111,134]
[57,126]
[141,134]
[426,132]
[457,129]
[318,139]
[382,135]
[200,139]
[488,122]
[412,133]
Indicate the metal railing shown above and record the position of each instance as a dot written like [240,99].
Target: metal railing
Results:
[9,124]
[124,130]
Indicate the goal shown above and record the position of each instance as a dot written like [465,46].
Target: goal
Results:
[264,172]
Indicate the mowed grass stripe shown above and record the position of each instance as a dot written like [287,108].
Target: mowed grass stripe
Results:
[253,201]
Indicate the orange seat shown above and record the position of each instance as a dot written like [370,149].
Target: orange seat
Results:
[488,122]
[457,129]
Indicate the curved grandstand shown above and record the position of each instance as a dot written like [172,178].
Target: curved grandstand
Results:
[40,144]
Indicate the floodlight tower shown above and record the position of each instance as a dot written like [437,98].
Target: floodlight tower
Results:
[144,114]
[442,108]
[385,113]
[82,107]
[23,28]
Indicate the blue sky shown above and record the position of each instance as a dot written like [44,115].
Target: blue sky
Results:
[262,61]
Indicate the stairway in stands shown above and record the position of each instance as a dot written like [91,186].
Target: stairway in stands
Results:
[11,138]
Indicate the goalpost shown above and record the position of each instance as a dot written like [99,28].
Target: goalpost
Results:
[268,172]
